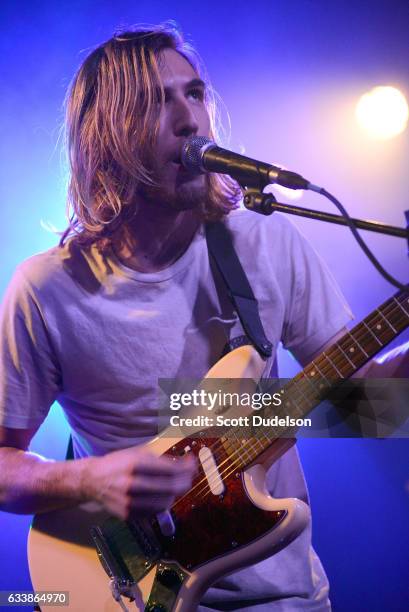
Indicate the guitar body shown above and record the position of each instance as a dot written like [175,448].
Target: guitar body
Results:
[214,533]
[227,520]
[216,538]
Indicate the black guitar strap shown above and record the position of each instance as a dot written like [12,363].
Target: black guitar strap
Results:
[221,249]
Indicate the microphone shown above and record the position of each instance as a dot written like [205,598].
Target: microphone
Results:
[200,155]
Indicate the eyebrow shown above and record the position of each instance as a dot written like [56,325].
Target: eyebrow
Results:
[196,83]
[192,83]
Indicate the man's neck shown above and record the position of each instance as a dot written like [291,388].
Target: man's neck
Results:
[155,238]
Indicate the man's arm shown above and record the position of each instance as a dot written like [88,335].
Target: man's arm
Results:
[30,483]
[128,482]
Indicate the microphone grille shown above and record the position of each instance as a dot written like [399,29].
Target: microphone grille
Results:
[192,153]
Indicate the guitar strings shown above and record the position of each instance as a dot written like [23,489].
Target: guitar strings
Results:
[239,452]
[295,385]
[391,307]
[252,458]
[295,382]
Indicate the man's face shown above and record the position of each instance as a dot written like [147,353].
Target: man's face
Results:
[183,115]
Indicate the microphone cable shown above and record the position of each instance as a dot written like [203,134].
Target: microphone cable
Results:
[375,262]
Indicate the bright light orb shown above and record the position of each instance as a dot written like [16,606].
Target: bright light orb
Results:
[382,112]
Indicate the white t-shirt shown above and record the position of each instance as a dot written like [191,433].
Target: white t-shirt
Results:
[83,329]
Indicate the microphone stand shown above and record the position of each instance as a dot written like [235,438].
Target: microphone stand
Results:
[266,204]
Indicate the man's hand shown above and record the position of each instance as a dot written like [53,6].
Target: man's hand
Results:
[387,410]
[393,364]
[136,482]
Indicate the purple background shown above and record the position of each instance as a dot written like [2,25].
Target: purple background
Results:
[290,74]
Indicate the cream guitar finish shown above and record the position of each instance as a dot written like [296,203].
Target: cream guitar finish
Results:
[62,556]
[214,533]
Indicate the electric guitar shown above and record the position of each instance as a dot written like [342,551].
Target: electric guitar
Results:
[227,520]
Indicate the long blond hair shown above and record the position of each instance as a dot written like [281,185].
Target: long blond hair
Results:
[112,116]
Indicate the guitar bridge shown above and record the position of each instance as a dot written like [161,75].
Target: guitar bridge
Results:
[127,551]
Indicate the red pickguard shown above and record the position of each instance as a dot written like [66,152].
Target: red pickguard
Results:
[208,526]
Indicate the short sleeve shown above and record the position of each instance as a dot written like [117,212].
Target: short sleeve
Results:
[316,309]
[29,372]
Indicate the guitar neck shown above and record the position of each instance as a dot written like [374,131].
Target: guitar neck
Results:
[326,372]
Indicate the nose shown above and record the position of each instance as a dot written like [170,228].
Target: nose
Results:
[184,120]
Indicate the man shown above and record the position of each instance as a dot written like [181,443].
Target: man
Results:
[129,297]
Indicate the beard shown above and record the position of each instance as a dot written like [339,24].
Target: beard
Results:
[187,192]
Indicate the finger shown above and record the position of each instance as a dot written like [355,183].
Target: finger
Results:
[162,466]
[157,485]
[152,505]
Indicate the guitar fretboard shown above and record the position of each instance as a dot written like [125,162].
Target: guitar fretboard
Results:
[327,371]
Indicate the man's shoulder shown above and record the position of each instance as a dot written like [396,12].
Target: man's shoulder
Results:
[58,268]
[43,268]
[253,227]
[37,276]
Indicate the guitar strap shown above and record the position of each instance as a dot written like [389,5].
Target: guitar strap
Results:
[224,256]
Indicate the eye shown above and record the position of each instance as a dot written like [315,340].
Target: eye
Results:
[197,93]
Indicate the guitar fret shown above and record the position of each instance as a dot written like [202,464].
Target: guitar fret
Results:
[305,389]
[237,444]
[250,451]
[358,344]
[396,315]
[256,445]
[345,354]
[244,449]
[291,402]
[318,387]
[241,451]
[291,405]
[236,455]
[348,349]
[310,380]
[401,307]
[322,385]
[255,442]
[395,331]
[314,363]
[266,441]
[372,333]
[253,452]
[260,443]
[229,446]
[333,365]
